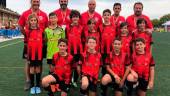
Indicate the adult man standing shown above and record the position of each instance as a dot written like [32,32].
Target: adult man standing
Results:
[91,13]
[63,13]
[116,19]
[43,22]
[132,19]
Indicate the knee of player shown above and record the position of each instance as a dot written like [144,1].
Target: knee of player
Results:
[132,78]
[38,69]
[44,82]
[32,70]
[84,85]
[105,79]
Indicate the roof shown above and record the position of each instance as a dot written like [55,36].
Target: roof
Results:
[166,23]
[9,11]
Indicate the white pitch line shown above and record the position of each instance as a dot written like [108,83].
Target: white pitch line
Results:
[10,44]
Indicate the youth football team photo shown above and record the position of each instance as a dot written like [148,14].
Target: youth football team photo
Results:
[77,51]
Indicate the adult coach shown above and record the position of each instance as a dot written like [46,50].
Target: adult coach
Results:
[116,19]
[132,19]
[91,13]
[23,23]
[63,13]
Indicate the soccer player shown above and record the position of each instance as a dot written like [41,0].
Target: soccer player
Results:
[108,33]
[132,19]
[62,72]
[118,67]
[35,45]
[43,23]
[142,70]
[53,33]
[125,38]
[91,13]
[63,14]
[116,18]
[91,31]
[74,34]
[91,61]
[142,32]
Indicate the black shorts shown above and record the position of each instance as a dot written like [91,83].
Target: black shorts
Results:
[115,85]
[50,61]
[35,63]
[56,78]
[76,57]
[44,50]
[24,54]
[64,87]
[92,86]
[143,84]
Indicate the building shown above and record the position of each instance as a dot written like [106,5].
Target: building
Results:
[3,3]
[7,16]
[167,26]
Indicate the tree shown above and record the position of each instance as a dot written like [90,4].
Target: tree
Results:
[156,22]
[164,18]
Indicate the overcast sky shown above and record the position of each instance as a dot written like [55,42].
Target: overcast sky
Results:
[152,8]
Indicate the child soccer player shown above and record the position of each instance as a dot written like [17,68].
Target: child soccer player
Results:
[27,68]
[62,71]
[52,34]
[125,38]
[74,34]
[92,31]
[116,18]
[118,67]
[35,39]
[142,32]
[108,34]
[142,69]
[91,61]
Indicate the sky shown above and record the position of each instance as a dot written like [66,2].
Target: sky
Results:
[152,8]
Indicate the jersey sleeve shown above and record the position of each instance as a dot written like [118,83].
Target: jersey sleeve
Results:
[151,42]
[46,20]
[152,62]
[149,23]
[22,21]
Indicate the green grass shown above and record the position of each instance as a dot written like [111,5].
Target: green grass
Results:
[12,73]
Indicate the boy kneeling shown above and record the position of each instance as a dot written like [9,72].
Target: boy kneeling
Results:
[117,68]
[62,71]
[91,61]
[142,70]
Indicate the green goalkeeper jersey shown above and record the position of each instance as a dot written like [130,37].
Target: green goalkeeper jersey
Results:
[52,36]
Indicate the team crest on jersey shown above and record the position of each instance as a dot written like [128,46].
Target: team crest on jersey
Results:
[96,19]
[120,22]
[40,18]
[68,17]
